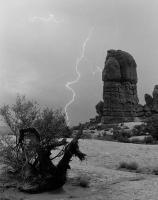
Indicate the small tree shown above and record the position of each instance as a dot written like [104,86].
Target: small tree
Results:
[24,113]
[51,124]
[20,115]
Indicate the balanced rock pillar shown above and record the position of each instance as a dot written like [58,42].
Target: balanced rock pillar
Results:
[120,87]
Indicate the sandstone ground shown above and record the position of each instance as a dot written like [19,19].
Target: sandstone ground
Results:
[105,180]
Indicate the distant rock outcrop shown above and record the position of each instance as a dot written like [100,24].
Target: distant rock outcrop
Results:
[149,100]
[120,87]
[155,99]
[151,106]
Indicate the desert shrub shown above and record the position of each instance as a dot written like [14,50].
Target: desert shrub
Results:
[119,136]
[136,141]
[83,181]
[67,132]
[130,166]
[123,139]
[123,165]
[51,125]
[107,137]
[25,113]
[155,171]
[20,115]
[9,155]
[139,130]
[86,135]
[152,127]
[148,140]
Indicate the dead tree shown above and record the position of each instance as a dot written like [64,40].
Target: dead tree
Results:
[40,173]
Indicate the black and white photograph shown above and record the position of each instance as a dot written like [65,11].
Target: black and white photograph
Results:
[78,99]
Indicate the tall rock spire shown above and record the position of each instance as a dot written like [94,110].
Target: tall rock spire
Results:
[120,87]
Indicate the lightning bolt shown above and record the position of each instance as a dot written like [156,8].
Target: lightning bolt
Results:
[51,17]
[68,84]
[98,69]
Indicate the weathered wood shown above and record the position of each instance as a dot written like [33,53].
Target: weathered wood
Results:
[43,175]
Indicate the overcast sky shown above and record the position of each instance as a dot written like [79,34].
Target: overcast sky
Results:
[40,41]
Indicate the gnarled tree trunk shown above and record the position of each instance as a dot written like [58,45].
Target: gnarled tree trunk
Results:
[52,177]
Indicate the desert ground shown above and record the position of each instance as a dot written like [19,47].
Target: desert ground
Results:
[106,181]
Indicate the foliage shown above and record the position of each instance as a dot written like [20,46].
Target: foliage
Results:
[120,135]
[130,166]
[9,155]
[148,139]
[24,113]
[84,182]
[87,135]
[136,140]
[155,171]
[139,130]
[121,138]
[20,115]
[51,124]
[152,127]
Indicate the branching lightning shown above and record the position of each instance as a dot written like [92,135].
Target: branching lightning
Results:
[68,84]
[51,17]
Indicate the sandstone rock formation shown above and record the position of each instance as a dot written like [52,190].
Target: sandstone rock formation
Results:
[155,99]
[151,106]
[120,87]
[149,100]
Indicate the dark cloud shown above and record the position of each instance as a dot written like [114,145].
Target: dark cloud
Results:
[38,55]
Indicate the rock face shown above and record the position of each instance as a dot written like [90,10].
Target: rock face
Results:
[149,100]
[155,99]
[151,106]
[120,87]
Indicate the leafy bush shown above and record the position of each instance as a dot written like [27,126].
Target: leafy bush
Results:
[84,182]
[51,125]
[136,140]
[9,155]
[20,115]
[129,166]
[139,130]
[86,135]
[122,139]
[152,127]
[120,136]
[155,171]
[149,140]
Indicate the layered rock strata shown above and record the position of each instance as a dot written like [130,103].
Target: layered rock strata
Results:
[151,103]
[120,87]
